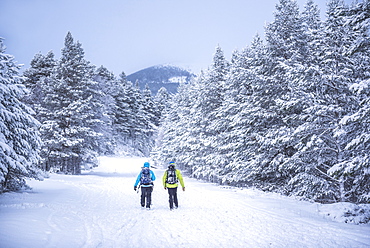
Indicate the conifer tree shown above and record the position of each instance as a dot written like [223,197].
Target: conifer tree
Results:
[123,115]
[151,120]
[176,141]
[41,69]
[328,99]
[306,80]
[70,131]
[149,108]
[130,123]
[162,103]
[161,100]
[284,48]
[242,115]
[353,170]
[106,81]
[208,97]
[195,125]
[141,131]
[19,138]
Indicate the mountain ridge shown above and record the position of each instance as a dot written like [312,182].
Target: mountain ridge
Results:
[158,76]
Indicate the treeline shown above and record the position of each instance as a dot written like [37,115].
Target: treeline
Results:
[290,113]
[61,114]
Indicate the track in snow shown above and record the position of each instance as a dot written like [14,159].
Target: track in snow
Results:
[101,209]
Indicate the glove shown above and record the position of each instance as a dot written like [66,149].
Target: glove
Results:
[135,188]
[183,188]
[165,188]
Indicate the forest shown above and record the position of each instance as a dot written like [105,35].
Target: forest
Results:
[289,113]
[59,115]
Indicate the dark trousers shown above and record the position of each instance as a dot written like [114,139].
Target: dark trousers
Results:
[172,192]
[146,196]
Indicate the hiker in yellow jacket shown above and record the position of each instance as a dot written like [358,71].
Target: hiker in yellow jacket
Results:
[170,180]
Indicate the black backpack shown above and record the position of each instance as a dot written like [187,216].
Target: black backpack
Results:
[171,175]
[146,178]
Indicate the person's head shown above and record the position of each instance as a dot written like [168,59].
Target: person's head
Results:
[146,165]
[171,165]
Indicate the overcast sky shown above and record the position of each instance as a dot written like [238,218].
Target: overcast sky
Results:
[130,35]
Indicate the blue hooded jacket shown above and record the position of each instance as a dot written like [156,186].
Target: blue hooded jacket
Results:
[152,176]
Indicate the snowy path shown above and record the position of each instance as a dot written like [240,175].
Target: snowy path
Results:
[101,209]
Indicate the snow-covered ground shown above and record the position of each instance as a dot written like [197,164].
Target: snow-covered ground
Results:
[101,209]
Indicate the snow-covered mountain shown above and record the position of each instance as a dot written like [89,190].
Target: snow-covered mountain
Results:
[158,76]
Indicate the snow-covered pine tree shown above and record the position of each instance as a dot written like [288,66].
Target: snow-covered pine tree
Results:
[38,77]
[106,80]
[150,108]
[162,103]
[143,129]
[278,108]
[334,99]
[129,123]
[194,127]
[226,143]
[152,117]
[222,142]
[69,133]
[19,137]
[42,67]
[210,98]
[354,170]
[240,115]
[307,83]
[94,119]
[321,146]
[175,142]
[358,18]
[123,116]
[161,100]
[207,96]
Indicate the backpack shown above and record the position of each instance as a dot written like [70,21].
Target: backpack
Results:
[146,178]
[171,176]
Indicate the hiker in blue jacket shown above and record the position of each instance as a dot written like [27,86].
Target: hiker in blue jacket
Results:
[145,181]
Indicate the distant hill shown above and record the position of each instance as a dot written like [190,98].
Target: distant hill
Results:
[159,76]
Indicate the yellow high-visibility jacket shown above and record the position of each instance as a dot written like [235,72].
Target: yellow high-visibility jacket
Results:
[179,177]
